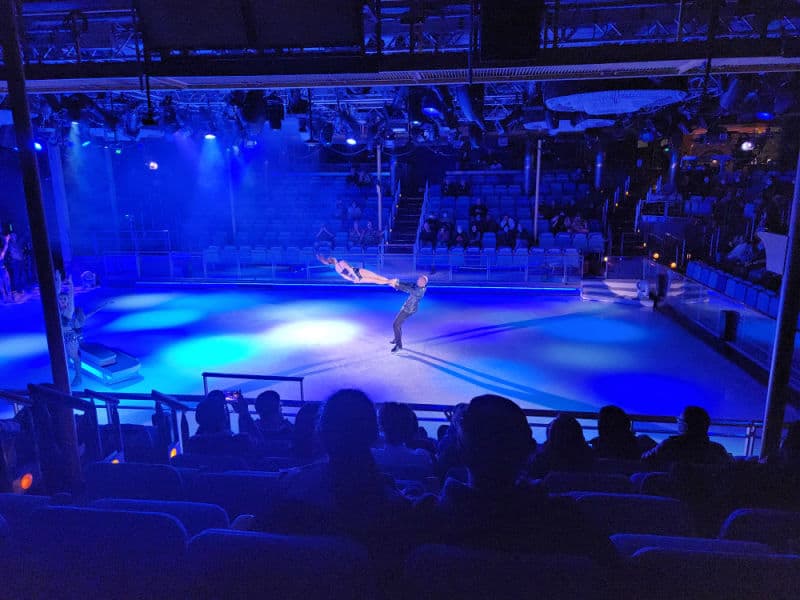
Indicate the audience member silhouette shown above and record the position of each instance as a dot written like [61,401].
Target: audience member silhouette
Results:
[565,449]
[271,432]
[497,508]
[616,438]
[398,424]
[789,455]
[448,455]
[691,445]
[306,445]
[214,435]
[345,494]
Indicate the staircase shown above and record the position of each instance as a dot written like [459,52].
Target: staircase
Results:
[404,229]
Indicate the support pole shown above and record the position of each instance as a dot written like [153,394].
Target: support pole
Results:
[380,190]
[783,348]
[12,56]
[526,171]
[231,195]
[536,191]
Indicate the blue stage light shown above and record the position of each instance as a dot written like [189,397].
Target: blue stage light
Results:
[86,143]
[765,116]
[351,141]
[210,136]
[118,151]
[37,146]
[152,165]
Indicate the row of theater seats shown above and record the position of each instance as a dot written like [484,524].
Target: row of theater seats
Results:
[553,264]
[584,243]
[215,257]
[755,296]
[137,548]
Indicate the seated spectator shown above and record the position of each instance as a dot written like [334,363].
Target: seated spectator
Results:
[324,236]
[496,509]
[565,449]
[616,438]
[214,435]
[579,225]
[345,494]
[789,455]
[306,445]
[460,237]
[371,236]
[443,237]
[560,223]
[398,424]
[433,220]
[691,445]
[477,209]
[353,211]
[489,224]
[475,236]
[427,235]
[446,220]
[521,237]
[447,452]
[271,431]
[355,236]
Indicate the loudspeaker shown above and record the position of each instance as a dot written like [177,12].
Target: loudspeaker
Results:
[510,29]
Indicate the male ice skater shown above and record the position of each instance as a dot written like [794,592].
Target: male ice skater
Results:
[415,293]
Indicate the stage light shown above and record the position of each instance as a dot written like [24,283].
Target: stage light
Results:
[351,141]
[747,146]
[210,136]
[673,265]
[765,115]
[656,256]
[74,123]
[115,461]
[173,452]
[26,481]
[37,146]
[118,151]
[86,143]
[152,165]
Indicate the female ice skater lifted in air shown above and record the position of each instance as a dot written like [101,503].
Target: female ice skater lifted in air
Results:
[354,274]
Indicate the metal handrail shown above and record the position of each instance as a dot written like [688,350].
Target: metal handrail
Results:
[207,375]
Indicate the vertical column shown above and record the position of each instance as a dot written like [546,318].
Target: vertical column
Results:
[65,424]
[60,202]
[599,163]
[783,348]
[536,192]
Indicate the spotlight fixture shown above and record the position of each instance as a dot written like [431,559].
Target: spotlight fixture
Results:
[351,141]
[673,265]
[747,146]
[37,146]
[210,136]
[86,143]
[152,165]
[656,256]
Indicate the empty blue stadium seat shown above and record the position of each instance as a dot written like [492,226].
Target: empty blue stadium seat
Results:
[133,480]
[627,544]
[438,571]
[17,508]
[562,481]
[776,528]
[635,513]
[693,269]
[194,516]
[661,573]
[73,552]
[238,492]
[243,564]
[546,240]
[751,296]
[762,303]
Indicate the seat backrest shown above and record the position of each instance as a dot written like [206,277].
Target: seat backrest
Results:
[563,481]
[209,462]
[16,509]
[194,516]
[244,564]
[133,480]
[238,492]
[627,544]
[438,571]
[669,573]
[74,552]
[776,528]
[635,513]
